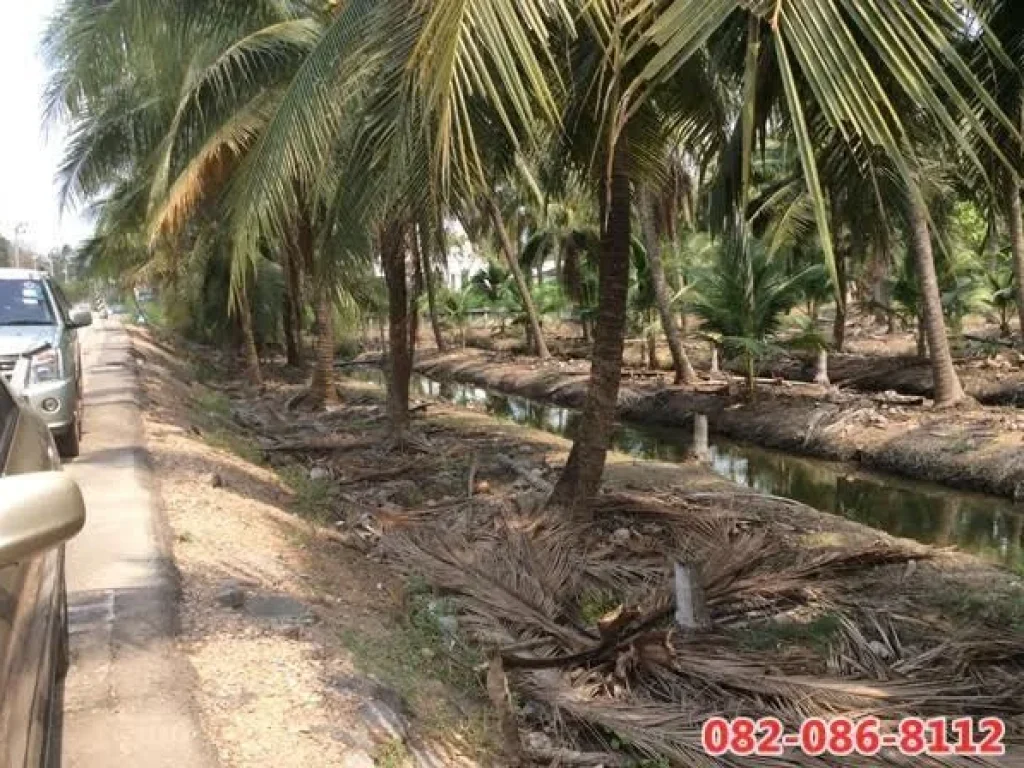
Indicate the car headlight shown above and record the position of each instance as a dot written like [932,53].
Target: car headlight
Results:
[45,367]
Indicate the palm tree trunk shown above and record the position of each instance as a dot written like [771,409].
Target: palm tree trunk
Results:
[252,357]
[652,349]
[293,308]
[321,388]
[416,289]
[680,362]
[399,357]
[428,280]
[1017,247]
[947,386]
[839,326]
[540,347]
[581,477]
[531,344]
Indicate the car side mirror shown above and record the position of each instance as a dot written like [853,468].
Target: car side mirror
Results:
[81,318]
[38,511]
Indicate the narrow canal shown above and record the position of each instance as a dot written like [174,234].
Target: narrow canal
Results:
[933,514]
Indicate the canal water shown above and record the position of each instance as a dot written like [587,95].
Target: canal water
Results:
[985,525]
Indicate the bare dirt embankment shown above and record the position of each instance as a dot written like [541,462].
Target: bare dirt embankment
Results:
[302,650]
[971,447]
[991,372]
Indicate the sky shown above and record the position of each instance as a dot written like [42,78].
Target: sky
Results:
[30,155]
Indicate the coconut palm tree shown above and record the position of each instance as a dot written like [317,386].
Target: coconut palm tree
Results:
[398,98]
[118,72]
[745,296]
[391,85]
[654,237]
[430,237]
[1001,187]
[1002,288]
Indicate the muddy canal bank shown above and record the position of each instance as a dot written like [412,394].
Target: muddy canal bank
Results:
[973,448]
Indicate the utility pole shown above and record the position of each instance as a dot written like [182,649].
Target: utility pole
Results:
[20,229]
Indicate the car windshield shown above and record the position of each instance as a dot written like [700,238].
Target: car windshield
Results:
[24,302]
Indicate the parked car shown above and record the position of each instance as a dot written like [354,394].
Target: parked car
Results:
[39,330]
[40,509]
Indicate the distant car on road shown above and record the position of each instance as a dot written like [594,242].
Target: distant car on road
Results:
[40,509]
[40,356]
[118,310]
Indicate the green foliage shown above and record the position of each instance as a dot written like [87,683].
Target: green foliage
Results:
[595,604]
[745,295]
[963,288]
[1002,287]
[493,284]
[456,307]
[816,634]
[968,226]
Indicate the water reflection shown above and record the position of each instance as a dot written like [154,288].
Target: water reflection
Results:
[929,513]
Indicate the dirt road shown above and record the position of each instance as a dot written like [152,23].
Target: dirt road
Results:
[128,695]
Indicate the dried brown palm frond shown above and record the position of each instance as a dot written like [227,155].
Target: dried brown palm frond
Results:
[522,580]
[671,727]
[504,582]
[654,728]
[703,521]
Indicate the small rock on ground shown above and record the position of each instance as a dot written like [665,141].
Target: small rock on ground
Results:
[230,595]
[278,608]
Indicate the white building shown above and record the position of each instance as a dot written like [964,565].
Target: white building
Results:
[463,260]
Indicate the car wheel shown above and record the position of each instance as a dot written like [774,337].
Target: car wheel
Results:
[69,443]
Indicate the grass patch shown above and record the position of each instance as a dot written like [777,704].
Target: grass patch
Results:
[227,440]
[154,314]
[816,634]
[213,403]
[211,412]
[594,605]
[996,609]
[419,652]
[420,647]
[313,499]
[392,754]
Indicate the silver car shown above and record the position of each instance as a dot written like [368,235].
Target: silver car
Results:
[40,509]
[40,356]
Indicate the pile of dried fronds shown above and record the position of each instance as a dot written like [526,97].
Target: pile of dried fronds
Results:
[581,618]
